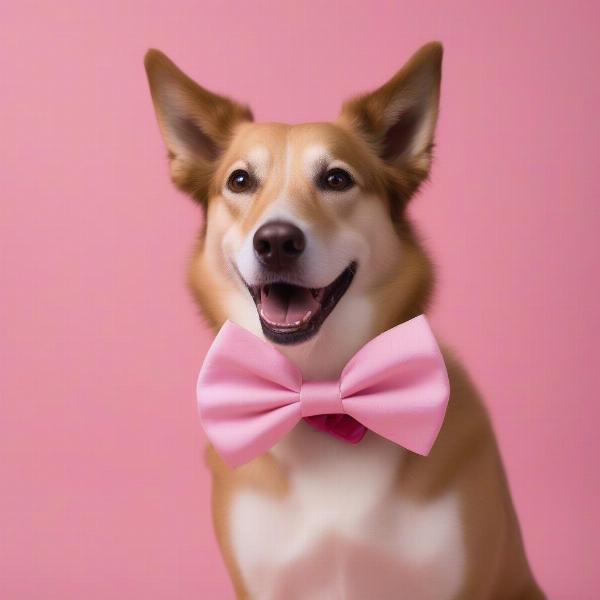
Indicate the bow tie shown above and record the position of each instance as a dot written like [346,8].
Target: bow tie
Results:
[250,395]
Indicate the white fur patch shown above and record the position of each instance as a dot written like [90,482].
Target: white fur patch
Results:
[259,160]
[344,531]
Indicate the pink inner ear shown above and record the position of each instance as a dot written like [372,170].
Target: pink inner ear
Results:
[191,135]
[400,135]
[342,427]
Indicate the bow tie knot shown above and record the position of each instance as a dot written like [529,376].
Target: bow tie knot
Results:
[320,398]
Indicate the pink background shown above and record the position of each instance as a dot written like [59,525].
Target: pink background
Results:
[103,491]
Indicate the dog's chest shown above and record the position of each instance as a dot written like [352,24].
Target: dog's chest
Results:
[344,531]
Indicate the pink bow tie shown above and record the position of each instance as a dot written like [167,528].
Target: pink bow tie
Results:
[250,395]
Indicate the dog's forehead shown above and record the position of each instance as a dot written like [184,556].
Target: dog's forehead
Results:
[264,144]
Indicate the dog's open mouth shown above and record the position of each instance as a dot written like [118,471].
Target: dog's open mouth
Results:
[290,314]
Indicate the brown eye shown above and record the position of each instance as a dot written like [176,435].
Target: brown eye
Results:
[337,180]
[240,181]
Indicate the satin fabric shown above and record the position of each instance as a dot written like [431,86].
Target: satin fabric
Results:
[250,395]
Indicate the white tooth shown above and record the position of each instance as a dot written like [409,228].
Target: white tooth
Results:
[306,316]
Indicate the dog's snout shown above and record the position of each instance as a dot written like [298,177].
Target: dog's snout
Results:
[278,244]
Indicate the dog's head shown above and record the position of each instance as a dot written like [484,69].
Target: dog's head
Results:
[305,234]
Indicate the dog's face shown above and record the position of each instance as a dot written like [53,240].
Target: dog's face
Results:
[305,231]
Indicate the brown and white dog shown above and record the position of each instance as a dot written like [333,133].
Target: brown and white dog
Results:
[307,243]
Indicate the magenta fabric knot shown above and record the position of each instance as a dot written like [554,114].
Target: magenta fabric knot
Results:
[342,427]
[320,398]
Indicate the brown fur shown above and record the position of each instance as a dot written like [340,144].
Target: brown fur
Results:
[375,141]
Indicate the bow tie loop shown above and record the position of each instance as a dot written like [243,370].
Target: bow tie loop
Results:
[320,398]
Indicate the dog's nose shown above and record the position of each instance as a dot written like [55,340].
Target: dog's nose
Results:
[278,244]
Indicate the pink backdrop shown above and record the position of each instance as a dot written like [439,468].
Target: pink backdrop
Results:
[103,491]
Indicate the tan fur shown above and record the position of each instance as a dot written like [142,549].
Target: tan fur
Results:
[465,456]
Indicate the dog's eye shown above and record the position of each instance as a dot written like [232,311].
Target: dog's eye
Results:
[240,181]
[337,180]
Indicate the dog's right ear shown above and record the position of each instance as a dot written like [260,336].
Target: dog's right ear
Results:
[195,123]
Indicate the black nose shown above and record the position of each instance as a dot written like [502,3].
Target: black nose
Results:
[278,244]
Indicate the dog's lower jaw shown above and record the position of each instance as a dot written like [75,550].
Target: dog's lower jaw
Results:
[314,304]
[341,335]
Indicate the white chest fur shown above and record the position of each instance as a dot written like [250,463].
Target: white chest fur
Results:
[344,531]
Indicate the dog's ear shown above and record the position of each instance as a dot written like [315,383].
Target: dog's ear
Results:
[196,124]
[398,119]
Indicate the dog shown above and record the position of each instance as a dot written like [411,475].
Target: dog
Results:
[307,244]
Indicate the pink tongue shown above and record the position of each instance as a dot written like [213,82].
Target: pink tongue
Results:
[285,305]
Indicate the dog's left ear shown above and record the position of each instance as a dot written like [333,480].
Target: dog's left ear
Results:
[398,119]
